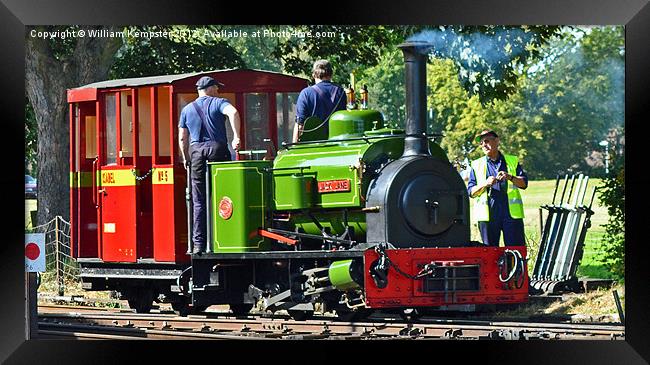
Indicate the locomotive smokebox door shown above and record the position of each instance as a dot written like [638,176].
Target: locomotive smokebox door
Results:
[422,202]
[428,206]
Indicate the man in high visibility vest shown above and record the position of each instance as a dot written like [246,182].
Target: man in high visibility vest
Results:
[494,184]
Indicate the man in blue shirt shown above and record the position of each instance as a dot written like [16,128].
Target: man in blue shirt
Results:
[320,100]
[494,184]
[202,138]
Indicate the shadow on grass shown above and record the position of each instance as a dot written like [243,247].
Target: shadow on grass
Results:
[596,272]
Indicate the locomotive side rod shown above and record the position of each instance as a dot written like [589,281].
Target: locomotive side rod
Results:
[306,235]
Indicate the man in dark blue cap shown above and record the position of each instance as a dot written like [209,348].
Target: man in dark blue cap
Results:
[320,100]
[202,138]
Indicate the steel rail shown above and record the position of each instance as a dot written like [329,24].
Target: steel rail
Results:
[327,328]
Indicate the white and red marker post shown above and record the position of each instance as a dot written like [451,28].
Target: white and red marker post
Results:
[34,263]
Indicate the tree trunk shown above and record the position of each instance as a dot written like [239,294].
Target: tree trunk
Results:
[47,81]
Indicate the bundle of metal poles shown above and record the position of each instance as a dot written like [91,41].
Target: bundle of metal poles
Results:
[563,238]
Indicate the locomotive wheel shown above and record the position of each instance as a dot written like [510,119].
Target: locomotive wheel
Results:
[300,315]
[183,308]
[411,314]
[240,309]
[354,315]
[141,300]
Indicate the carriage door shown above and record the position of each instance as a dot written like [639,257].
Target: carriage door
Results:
[84,151]
[116,186]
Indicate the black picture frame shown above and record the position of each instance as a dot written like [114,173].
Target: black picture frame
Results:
[16,14]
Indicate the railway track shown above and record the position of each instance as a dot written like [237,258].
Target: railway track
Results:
[111,324]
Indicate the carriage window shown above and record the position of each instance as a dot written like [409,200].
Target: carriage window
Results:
[144,122]
[286,115]
[126,124]
[184,99]
[257,120]
[111,129]
[229,133]
[164,133]
[90,131]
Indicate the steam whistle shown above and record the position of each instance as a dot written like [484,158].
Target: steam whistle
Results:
[352,102]
[349,92]
[364,97]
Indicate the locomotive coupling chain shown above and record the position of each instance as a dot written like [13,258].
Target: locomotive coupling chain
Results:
[385,262]
[140,178]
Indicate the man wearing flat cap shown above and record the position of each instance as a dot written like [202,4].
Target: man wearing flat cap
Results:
[319,100]
[494,184]
[202,139]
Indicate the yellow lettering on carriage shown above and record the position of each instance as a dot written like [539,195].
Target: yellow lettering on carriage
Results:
[117,178]
[163,176]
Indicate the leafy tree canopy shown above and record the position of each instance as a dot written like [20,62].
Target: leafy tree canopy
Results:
[168,55]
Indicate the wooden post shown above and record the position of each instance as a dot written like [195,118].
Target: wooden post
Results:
[31,310]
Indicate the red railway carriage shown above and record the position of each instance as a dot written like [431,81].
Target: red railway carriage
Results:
[125,132]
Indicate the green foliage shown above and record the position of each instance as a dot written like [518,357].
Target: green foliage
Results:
[488,57]
[612,195]
[253,50]
[166,55]
[571,99]
[349,48]
[385,83]
[455,113]
[562,107]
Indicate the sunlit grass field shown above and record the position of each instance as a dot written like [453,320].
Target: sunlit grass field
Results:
[540,193]
[30,204]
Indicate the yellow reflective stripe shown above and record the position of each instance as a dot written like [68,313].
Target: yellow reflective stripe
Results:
[74,180]
[117,178]
[480,210]
[515,203]
[81,179]
[162,176]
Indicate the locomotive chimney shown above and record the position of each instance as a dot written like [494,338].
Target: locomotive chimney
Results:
[415,61]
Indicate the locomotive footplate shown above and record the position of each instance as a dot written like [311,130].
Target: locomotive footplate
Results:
[265,255]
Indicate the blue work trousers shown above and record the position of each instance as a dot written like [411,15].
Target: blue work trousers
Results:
[200,154]
[513,230]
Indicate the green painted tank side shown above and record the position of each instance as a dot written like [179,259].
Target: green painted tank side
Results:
[353,123]
[319,162]
[247,185]
[333,221]
[303,166]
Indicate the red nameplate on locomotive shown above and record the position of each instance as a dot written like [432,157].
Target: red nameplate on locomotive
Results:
[332,186]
